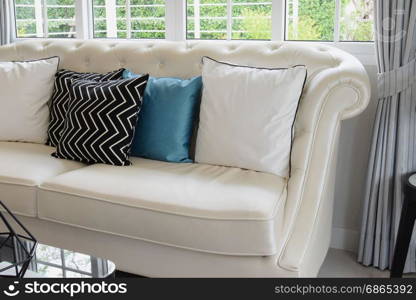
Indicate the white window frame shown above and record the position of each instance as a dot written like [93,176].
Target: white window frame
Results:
[176,19]
[84,19]
[172,29]
[278,20]
[278,10]
[41,18]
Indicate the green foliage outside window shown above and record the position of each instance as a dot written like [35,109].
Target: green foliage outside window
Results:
[315,20]
[61,19]
[147,21]
[251,21]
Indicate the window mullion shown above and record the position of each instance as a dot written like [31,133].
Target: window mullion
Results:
[63,263]
[229,19]
[278,20]
[180,18]
[337,20]
[197,19]
[128,19]
[39,18]
[111,18]
[45,19]
[83,19]
[175,20]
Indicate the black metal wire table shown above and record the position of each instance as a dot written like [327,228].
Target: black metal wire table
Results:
[21,256]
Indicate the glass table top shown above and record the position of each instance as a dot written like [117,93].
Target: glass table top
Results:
[52,262]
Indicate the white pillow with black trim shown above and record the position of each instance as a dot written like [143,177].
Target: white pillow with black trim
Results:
[25,90]
[247,116]
[101,119]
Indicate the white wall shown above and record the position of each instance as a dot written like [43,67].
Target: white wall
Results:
[355,140]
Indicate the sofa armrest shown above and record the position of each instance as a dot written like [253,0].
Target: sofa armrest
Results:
[334,94]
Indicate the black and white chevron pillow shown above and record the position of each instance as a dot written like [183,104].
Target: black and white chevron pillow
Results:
[60,98]
[101,119]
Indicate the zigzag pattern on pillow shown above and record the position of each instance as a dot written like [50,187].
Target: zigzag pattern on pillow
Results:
[60,98]
[101,120]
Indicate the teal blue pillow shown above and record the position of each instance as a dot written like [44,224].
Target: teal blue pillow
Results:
[166,121]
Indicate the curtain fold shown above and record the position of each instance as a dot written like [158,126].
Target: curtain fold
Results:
[7,22]
[393,150]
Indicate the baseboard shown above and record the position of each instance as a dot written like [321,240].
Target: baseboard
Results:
[345,239]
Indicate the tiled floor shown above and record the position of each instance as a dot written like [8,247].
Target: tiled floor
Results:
[340,263]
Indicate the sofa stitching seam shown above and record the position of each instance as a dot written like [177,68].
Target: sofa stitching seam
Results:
[155,242]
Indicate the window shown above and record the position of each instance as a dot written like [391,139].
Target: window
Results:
[330,20]
[225,19]
[51,261]
[134,19]
[356,20]
[294,20]
[45,18]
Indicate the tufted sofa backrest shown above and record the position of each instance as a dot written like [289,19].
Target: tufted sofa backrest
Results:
[164,58]
[337,88]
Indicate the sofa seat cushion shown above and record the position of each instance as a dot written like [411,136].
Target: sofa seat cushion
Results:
[201,207]
[23,167]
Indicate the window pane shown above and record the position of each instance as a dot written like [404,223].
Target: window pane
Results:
[357,20]
[26,19]
[50,18]
[48,254]
[61,18]
[49,271]
[310,20]
[129,19]
[77,261]
[252,20]
[208,19]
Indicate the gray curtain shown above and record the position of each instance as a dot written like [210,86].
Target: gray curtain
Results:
[393,152]
[7,22]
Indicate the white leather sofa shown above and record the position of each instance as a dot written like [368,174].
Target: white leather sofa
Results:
[160,219]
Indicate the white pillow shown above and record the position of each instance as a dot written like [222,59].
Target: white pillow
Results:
[247,115]
[25,89]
